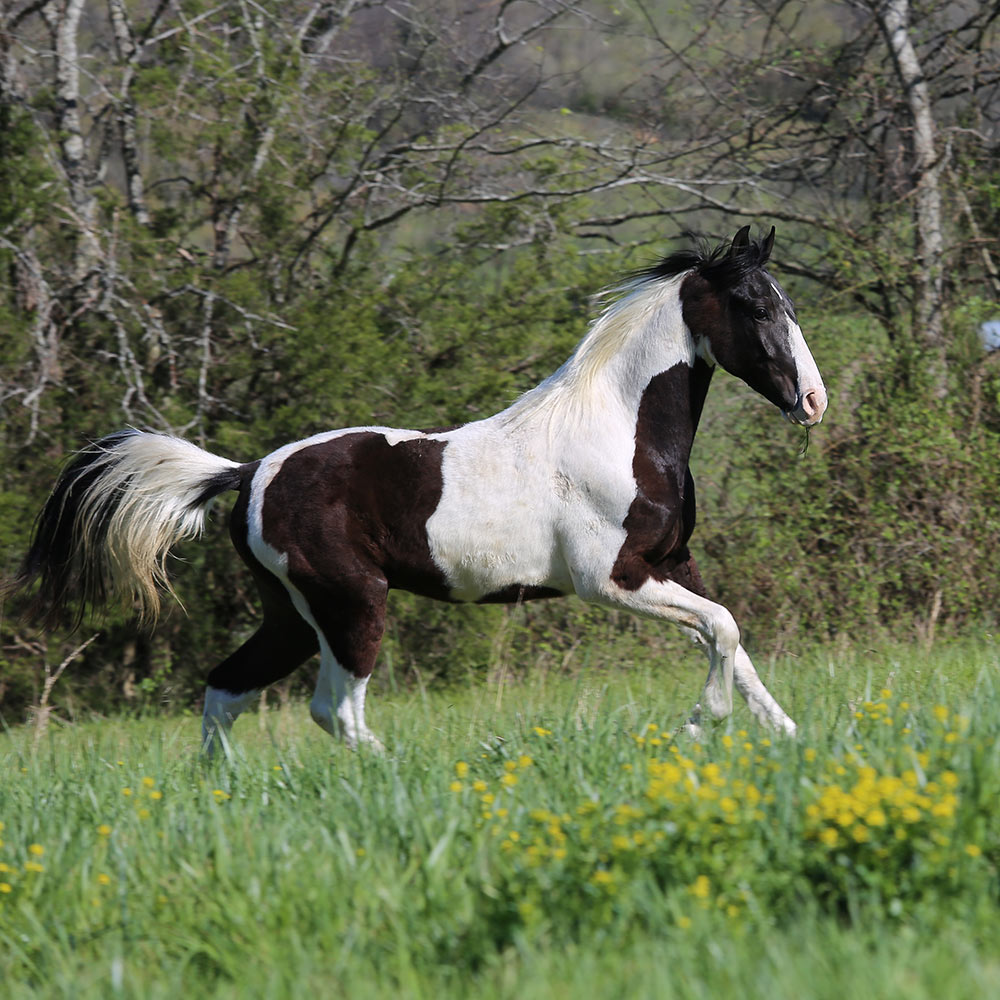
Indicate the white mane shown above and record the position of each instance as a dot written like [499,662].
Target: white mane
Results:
[630,334]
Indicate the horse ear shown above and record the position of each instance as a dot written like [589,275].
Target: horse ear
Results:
[740,241]
[767,246]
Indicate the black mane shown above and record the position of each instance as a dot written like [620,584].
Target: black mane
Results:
[722,268]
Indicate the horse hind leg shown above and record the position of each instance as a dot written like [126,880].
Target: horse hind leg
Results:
[349,628]
[283,642]
[338,703]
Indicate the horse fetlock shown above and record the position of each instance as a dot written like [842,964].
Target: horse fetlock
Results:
[718,697]
[356,736]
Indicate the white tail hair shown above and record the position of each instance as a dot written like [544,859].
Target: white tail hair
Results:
[115,513]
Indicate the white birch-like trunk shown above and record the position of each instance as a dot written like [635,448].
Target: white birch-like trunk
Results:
[64,21]
[894,18]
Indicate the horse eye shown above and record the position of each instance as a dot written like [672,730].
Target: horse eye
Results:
[760,313]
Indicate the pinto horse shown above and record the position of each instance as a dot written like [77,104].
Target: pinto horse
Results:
[580,486]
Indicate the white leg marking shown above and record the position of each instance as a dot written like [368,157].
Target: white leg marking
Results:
[338,703]
[759,700]
[221,711]
[712,624]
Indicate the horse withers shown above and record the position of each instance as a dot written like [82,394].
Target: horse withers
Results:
[580,486]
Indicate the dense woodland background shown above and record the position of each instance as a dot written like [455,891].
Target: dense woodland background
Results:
[244,222]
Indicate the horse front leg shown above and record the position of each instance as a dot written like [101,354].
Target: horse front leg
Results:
[759,700]
[712,625]
[762,704]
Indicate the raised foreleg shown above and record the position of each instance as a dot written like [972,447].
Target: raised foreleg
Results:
[710,622]
[759,700]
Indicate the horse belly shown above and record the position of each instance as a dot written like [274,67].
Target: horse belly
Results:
[493,533]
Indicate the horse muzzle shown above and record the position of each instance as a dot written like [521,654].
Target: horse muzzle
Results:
[809,407]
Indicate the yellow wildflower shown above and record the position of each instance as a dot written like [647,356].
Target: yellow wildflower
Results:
[829,836]
[461,769]
[876,817]
[701,887]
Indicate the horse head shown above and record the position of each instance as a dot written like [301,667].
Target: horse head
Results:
[743,320]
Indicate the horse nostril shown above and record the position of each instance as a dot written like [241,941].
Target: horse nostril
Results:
[811,402]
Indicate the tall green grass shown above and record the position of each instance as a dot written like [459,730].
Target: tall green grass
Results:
[547,838]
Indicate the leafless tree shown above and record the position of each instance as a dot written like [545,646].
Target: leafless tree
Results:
[280,138]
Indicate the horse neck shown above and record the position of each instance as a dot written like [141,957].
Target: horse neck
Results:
[638,357]
[668,415]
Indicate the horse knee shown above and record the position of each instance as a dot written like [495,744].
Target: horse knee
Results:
[721,632]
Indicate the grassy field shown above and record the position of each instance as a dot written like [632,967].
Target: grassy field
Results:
[545,839]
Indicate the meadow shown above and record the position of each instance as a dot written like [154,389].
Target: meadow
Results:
[549,837]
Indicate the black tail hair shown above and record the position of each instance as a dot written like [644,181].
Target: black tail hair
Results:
[77,564]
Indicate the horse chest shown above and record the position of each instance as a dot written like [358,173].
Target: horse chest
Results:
[661,516]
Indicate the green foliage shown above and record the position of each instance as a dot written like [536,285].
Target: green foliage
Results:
[881,519]
[23,179]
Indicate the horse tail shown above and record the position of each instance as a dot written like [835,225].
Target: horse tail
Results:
[114,514]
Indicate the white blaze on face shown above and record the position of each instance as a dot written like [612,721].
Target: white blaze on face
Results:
[810,391]
[811,402]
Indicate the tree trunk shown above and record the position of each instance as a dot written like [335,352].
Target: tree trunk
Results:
[64,23]
[894,19]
